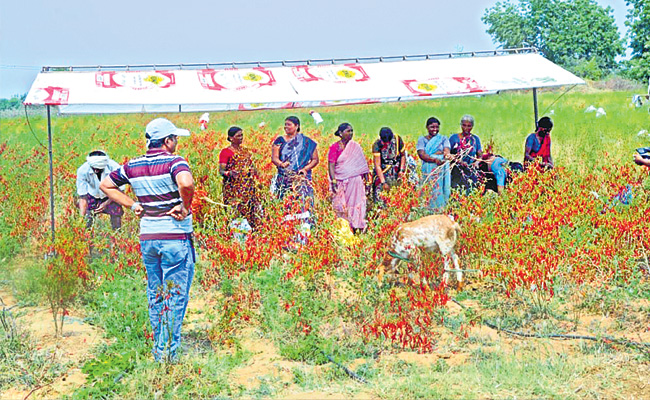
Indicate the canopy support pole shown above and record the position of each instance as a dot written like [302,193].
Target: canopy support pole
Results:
[535,105]
[49,138]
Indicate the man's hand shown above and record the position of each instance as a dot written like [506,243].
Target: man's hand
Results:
[138,210]
[179,212]
[638,159]
[101,207]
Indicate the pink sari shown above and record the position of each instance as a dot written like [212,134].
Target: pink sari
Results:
[349,201]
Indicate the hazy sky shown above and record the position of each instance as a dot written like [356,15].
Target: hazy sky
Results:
[36,33]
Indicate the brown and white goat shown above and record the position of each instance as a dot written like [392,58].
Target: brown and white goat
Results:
[431,233]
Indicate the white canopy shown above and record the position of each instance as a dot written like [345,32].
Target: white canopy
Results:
[179,89]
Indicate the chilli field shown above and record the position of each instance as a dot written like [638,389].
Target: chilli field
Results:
[556,302]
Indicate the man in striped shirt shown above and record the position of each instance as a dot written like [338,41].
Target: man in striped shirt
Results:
[164,186]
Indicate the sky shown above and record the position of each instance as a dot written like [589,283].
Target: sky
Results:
[36,33]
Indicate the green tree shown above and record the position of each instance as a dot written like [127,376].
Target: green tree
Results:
[579,35]
[638,23]
[16,101]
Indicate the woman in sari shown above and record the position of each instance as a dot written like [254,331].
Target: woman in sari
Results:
[295,155]
[239,185]
[468,150]
[538,144]
[389,160]
[347,167]
[433,150]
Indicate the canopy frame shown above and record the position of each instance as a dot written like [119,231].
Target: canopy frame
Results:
[260,64]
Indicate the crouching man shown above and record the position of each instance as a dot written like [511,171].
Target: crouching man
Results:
[164,186]
[91,199]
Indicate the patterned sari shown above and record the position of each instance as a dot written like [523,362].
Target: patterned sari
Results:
[298,151]
[438,177]
[240,191]
[349,201]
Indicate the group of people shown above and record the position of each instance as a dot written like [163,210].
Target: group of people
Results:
[455,162]
[164,187]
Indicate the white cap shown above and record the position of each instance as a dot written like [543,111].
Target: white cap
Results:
[160,128]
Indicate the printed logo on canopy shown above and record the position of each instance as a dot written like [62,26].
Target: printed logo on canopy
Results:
[328,103]
[235,79]
[51,95]
[331,73]
[262,106]
[449,86]
[142,80]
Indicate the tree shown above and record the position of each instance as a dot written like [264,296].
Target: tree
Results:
[638,22]
[579,35]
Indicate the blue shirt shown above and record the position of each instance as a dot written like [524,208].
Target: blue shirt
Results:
[459,144]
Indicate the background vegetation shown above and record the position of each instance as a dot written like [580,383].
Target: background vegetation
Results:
[558,253]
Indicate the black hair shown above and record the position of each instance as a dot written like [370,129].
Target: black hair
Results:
[157,143]
[545,122]
[295,121]
[341,128]
[431,121]
[96,153]
[386,134]
[232,131]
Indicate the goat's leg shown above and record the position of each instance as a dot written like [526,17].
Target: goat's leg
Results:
[459,272]
[445,275]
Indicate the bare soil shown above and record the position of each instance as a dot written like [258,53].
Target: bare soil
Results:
[266,364]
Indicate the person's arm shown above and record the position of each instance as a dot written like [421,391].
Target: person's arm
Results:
[311,164]
[641,161]
[114,193]
[275,157]
[224,172]
[82,191]
[402,164]
[185,183]
[550,164]
[332,174]
[380,173]
[427,158]
[83,205]
[528,147]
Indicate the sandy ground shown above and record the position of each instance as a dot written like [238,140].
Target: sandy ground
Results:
[74,347]
[267,365]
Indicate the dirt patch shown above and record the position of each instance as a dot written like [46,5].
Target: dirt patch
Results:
[266,362]
[317,395]
[74,348]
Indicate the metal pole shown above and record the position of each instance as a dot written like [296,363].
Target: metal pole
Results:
[535,104]
[49,138]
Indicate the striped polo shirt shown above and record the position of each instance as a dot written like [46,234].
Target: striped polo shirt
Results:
[153,178]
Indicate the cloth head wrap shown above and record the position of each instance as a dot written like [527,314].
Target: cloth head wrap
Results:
[98,162]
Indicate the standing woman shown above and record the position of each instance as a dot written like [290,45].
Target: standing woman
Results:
[433,150]
[347,167]
[538,144]
[389,161]
[239,177]
[295,155]
[465,173]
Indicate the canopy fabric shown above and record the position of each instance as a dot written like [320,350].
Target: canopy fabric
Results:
[192,90]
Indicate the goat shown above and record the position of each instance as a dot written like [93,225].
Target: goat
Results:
[431,233]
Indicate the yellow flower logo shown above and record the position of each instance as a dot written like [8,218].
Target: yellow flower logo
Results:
[427,87]
[155,79]
[346,73]
[252,77]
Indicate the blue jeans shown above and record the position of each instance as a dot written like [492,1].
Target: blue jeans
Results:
[170,269]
